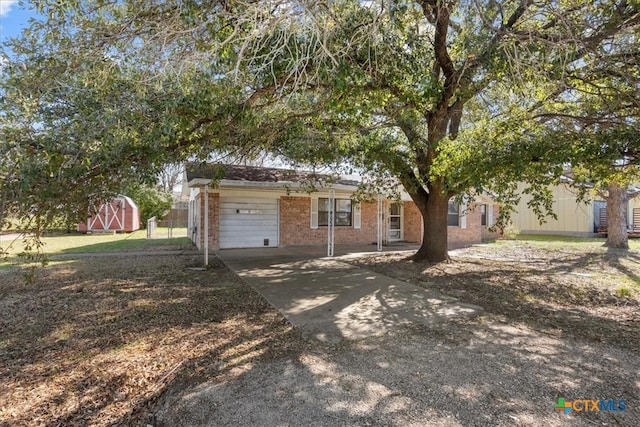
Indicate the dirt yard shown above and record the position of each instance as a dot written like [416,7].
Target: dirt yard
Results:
[94,341]
[574,289]
[146,340]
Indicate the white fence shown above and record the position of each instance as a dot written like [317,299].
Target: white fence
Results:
[152,223]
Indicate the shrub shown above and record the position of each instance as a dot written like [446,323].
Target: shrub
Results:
[151,202]
[510,232]
[623,292]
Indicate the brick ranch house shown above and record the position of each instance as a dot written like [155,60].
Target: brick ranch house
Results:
[251,207]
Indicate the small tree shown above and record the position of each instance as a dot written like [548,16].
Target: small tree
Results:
[170,176]
[151,201]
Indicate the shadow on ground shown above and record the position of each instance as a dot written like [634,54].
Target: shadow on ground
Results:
[460,375]
[144,340]
[420,373]
[94,341]
[332,300]
[569,294]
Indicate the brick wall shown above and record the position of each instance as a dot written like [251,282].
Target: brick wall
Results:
[295,229]
[295,225]
[214,217]
[412,223]
[459,237]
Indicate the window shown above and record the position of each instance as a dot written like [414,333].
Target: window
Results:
[342,210]
[483,215]
[453,215]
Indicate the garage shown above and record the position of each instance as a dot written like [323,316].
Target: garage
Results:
[248,223]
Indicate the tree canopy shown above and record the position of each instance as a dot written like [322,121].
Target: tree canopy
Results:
[441,95]
[586,130]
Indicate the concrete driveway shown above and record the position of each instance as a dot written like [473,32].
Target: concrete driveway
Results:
[331,300]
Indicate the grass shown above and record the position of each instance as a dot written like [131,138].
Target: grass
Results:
[623,292]
[566,242]
[96,340]
[611,266]
[559,238]
[92,243]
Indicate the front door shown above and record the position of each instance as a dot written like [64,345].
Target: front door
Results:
[395,222]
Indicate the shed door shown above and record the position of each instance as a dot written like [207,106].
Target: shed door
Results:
[108,216]
[248,223]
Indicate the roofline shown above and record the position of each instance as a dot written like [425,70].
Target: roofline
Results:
[199,182]
[281,185]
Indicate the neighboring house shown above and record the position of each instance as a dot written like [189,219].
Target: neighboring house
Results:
[268,207]
[120,214]
[573,218]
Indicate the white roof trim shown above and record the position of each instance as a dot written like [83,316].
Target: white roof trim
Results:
[282,185]
[199,182]
[278,186]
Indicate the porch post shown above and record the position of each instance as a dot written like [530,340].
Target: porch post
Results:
[380,222]
[331,223]
[206,225]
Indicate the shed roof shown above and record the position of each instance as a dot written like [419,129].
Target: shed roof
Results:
[129,200]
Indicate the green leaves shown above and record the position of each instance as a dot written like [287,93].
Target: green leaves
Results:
[465,94]
[150,200]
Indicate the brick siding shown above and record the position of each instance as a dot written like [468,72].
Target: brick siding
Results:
[460,237]
[295,228]
[457,237]
[214,217]
[295,225]
[412,223]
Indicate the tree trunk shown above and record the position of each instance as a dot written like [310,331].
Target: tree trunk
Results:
[434,246]
[617,198]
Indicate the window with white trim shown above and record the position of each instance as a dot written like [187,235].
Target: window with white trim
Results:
[343,209]
[453,214]
[483,215]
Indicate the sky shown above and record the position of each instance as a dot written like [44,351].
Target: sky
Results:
[13,18]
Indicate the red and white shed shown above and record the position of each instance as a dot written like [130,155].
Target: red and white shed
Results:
[121,214]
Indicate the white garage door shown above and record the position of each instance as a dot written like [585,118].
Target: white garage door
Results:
[248,223]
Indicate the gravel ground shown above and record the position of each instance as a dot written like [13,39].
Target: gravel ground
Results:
[505,369]
[141,340]
[462,375]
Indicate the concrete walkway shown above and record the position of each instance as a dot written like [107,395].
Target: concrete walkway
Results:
[332,300]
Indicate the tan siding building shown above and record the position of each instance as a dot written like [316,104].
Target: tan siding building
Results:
[573,217]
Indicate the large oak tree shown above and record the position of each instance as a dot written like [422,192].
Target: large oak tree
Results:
[133,84]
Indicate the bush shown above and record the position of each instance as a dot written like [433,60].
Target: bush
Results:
[510,232]
[623,292]
[151,202]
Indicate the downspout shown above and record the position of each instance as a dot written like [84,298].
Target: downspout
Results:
[206,225]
